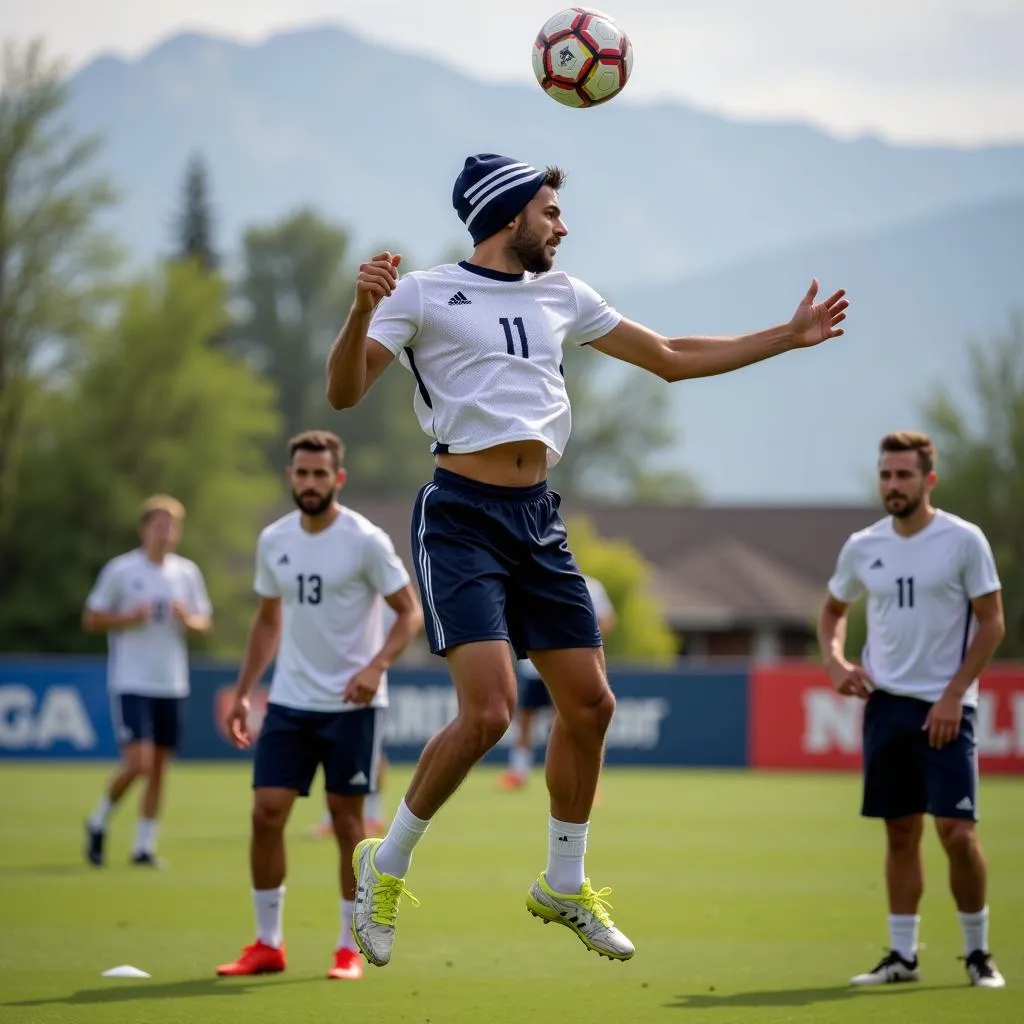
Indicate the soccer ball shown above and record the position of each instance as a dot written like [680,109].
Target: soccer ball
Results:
[581,57]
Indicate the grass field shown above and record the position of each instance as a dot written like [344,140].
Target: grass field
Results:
[751,898]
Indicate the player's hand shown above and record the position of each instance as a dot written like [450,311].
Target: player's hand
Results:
[813,324]
[850,680]
[181,612]
[237,723]
[377,278]
[363,686]
[143,614]
[943,721]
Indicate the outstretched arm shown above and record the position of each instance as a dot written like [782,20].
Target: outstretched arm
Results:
[675,359]
[356,361]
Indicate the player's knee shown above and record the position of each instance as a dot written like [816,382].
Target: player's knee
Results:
[268,816]
[903,834]
[486,723]
[591,714]
[957,837]
[348,825]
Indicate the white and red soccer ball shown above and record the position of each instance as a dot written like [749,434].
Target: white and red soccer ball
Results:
[581,57]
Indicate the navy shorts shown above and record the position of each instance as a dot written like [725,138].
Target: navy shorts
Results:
[292,744]
[903,775]
[157,720]
[533,694]
[493,564]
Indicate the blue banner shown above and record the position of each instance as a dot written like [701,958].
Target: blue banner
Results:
[55,708]
[58,708]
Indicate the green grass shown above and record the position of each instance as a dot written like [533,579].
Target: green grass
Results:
[751,898]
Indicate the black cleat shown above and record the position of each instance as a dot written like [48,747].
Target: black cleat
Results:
[982,970]
[148,860]
[94,846]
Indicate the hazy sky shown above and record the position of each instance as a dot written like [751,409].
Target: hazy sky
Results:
[913,70]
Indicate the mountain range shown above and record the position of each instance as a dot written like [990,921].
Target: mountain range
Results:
[690,222]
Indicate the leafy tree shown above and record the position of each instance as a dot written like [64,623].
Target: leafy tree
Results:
[195,221]
[153,408]
[641,633]
[53,260]
[980,445]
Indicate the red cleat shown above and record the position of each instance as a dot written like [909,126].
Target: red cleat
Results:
[347,965]
[511,780]
[258,958]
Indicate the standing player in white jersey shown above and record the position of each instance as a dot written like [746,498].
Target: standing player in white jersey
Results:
[534,696]
[484,340]
[323,575]
[147,601]
[935,619]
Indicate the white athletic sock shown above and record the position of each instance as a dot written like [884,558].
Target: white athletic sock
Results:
[520,760]
[567,843]
[903,934]
[975,928]
[100,818]
[346,940]
[371,807]
[395,853]
[145,836]
[269,906]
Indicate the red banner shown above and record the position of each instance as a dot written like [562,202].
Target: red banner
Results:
[798,721]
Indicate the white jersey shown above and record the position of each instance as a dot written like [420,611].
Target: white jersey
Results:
[332,586]
[486,351]
[602,607]
[919,591]
[150,659]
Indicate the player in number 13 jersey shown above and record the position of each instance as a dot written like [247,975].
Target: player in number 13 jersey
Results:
[484,339]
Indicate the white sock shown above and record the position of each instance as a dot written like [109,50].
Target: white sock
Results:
[346,939]
[371,807]
[975,928]
[145,836]
[567,843]
[394,855]
[269,905]
[327,820]
[100,818]
[903,934]
[520,760]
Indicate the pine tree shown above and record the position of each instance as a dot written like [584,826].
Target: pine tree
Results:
[195,223]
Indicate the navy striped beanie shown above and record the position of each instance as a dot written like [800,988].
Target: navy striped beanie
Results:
[491,191]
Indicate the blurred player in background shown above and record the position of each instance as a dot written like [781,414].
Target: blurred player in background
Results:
[534,696]
[484,341]
[323,575]
[147,601]
[935,619]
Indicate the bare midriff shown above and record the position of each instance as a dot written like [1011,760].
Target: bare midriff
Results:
[515,464]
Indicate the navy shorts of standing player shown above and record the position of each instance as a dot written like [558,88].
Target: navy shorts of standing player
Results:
[483,340]
[935,618]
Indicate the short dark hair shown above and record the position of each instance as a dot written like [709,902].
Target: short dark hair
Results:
[911,441]
[318,441]
[554,177]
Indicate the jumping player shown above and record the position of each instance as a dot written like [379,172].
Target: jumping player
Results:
[483,339]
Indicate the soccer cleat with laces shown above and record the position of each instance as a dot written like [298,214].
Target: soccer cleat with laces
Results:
[347,965]
[259,958]
[94,845]
[982,970]
[891,968]
[585,913]
[377,900]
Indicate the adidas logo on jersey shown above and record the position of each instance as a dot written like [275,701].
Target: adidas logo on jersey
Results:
[877,564]
[458,299]
[283,560]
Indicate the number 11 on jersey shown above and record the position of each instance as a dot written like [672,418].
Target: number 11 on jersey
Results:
[510,344]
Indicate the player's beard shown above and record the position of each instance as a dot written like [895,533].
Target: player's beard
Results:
[909,505]
[531,250]
[306,504]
